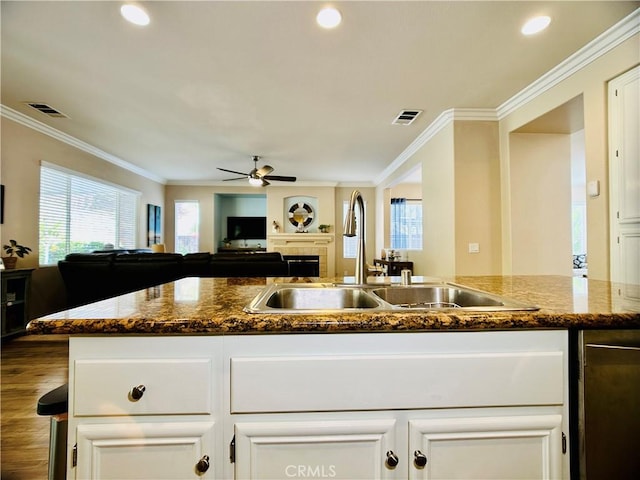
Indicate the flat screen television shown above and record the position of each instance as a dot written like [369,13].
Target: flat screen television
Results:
[246,228]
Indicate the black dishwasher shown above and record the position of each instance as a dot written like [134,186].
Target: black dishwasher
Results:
[605,398]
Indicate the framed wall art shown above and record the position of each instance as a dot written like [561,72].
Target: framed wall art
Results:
[154,230]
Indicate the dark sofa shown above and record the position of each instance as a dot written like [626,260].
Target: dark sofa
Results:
[89,277]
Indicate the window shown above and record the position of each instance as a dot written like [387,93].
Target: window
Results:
[187,226]
[350,244]
[406,224]
[79,214]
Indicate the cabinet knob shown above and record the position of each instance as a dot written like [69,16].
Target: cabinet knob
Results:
[420,459]
[203,464]
[392,459]
[137,392]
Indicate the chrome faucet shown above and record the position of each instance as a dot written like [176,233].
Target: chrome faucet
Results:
[350,231]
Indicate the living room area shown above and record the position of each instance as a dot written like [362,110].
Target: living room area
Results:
[24,150]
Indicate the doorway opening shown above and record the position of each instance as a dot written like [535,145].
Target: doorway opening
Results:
[549,193]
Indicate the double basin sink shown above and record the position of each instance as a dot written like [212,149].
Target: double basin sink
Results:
[327,297]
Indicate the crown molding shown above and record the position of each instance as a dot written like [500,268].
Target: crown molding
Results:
[444,119]
[40,127]
[605,42]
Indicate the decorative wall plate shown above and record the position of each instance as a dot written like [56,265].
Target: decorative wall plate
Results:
[301,214]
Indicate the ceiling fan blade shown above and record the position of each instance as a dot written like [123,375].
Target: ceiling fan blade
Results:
[237,178]
[233,171]
[264,182]
[265,170]
[280,178]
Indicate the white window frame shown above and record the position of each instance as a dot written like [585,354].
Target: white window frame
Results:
[67,236]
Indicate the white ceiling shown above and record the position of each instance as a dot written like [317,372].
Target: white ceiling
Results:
[209,84]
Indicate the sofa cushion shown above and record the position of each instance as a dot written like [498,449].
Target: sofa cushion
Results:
[149,258]
[90,257]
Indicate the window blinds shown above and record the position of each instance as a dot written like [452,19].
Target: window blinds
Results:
[78,214]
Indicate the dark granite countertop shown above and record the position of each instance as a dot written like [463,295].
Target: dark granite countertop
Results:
[213,306]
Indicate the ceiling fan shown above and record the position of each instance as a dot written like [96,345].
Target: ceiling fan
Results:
[258,176]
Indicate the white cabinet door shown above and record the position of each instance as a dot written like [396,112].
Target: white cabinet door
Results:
[347,450]
[162,451]
[510,447]
[624,184]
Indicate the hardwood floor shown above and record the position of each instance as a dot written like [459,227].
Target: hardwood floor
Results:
[31,366]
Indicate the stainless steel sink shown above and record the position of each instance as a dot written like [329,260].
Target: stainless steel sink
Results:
[325,297]
[312,297]
[445,296]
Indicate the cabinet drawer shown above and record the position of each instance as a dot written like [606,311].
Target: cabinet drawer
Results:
[179,386]
[381,382]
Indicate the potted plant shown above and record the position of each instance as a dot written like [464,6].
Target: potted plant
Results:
[324,228]
[13,248]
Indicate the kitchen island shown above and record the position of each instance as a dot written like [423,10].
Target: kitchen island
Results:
[214,306]
[176,381]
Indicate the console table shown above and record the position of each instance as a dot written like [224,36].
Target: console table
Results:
[15,301]
[393,267]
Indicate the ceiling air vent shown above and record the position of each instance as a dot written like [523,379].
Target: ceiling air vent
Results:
[406,117]
[46,109]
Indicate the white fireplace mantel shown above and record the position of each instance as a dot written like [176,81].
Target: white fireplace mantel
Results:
[306,238]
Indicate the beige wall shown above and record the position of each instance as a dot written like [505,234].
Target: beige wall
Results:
[460,194]
[22,151]
[591,82]
[438,206]
[541,204]
[477,197]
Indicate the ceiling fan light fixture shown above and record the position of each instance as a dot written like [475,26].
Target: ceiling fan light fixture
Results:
[255,182]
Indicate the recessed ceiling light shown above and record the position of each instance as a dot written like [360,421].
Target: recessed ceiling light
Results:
[329,17]
[135,14]
[535,25]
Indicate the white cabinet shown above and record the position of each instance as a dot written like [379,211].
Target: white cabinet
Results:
[347,450]
[144,408]
[122,451]
[482,405]
[499,447]
[430,405]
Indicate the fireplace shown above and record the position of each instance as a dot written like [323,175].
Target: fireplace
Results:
[308,246]
[303,265]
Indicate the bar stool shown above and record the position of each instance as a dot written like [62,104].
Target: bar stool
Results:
[56,404]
